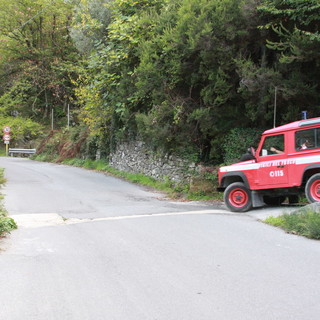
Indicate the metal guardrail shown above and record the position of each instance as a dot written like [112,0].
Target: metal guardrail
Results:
[13,151]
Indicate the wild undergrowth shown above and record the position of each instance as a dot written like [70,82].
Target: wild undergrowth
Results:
[305,222]
[6,224]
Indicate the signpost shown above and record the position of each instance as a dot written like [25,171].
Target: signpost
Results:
[6,137]
[6,129]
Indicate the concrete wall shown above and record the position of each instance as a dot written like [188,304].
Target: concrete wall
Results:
[135,157]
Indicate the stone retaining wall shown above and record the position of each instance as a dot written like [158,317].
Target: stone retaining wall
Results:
[135,157]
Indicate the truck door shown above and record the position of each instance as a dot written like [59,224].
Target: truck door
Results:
[272,159]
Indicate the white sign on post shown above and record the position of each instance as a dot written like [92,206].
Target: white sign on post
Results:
[6,129]
[6,137]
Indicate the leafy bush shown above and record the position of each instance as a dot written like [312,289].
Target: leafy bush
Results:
[2,178]
[6,225]
[237,141]
[74,162]
[22,130]
[67,144]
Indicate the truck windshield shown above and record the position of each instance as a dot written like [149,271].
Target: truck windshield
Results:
[273,145]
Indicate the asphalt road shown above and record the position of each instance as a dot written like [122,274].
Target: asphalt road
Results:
[91,246]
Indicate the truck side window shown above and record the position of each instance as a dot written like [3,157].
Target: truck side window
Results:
[317,142]
[273,145]
[305,139]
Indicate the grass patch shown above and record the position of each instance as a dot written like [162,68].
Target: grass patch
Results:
[203,187]
[2,178]
[305,222]
[6,224]
[2,152]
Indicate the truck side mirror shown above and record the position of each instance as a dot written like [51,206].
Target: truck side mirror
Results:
[253,152]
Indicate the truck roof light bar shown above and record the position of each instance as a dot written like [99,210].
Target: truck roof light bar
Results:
[309,122]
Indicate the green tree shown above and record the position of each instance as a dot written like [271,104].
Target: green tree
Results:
[172,72]
[187,68]
[293,35]
[296,23]
[36,55]
[89,25]
[106,87]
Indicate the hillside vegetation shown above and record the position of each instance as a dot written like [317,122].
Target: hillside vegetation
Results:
[6,224]
[185,76]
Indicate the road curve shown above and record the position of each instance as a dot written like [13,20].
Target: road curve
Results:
[92,246]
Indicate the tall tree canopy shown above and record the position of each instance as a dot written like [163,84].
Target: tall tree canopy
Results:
[297,25]
[34,57]
[178,74]
[293,35]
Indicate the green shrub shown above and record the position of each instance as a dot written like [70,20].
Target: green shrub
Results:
[313,225]
[101,165]
[305,222]
[7,225]
[66,144]
[74,162]
[22,130]
[2,178]
[89,164]
[237,141]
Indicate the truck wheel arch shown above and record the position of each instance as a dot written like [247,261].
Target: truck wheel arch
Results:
[236,176]
[309,171]
[312,189]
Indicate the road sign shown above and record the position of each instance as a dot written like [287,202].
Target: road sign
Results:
[6,142]
[6,129]
[6,137]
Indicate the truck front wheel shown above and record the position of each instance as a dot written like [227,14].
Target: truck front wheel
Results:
[237,197]
[313,188]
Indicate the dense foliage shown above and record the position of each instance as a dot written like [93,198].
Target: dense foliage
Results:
[6,224]
[35,54]
[178,74]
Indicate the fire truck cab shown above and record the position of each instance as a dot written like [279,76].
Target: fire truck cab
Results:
[286,164]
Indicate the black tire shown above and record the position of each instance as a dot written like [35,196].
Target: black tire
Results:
[237,197]
[312,189]
[274,201]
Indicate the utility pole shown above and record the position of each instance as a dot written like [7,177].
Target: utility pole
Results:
[51,118]
[68,115]
[275,107]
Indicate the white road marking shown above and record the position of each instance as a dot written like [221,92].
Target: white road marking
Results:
[53,219]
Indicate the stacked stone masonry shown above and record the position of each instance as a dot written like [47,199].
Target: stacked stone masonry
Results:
[135,157]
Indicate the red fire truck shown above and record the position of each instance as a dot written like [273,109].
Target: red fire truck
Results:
[286,164]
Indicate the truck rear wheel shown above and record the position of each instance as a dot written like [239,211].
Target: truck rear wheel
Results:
[313,188]
[237,197]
